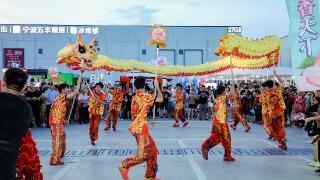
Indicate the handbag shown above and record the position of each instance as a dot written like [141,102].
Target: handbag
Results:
[297,116]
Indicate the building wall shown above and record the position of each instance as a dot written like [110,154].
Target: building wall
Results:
[186,45]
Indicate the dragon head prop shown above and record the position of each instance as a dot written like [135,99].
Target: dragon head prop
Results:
[78,56]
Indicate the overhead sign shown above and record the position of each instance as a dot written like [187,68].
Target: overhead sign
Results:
[48,29]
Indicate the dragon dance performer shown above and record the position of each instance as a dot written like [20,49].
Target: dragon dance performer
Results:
[265,117]
[220,130]
[178,114]
[114,108]
[56,120]
[275,114]
[238,116]
[28,165]
[96,109]
[279,91]
[147,150]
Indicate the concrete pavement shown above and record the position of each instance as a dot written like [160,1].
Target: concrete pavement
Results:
[179,154]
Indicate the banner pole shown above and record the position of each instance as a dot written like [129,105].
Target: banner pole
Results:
[155,89]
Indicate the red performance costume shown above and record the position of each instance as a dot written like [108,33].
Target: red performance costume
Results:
[279,92]
[265,117]
[275,110]
[56,119]
[238,113]
[147,150]
[220,131]
[96,110]
[114,110]
[28,165]
[178,114]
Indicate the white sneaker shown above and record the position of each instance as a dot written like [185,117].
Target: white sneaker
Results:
[314,164]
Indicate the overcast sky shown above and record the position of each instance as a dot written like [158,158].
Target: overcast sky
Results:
[257,17]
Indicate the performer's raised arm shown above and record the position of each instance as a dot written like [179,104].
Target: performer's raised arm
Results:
[279,79]
[76,91]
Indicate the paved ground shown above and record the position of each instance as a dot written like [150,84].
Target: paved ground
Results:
[179,154]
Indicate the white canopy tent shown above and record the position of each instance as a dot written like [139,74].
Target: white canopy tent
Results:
[253,74]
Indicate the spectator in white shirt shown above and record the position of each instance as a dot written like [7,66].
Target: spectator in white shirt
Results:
[50,94]
[83,102]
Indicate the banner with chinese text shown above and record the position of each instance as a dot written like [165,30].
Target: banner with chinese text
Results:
[305,42]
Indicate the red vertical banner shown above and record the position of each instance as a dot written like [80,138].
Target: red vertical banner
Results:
[13,57]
